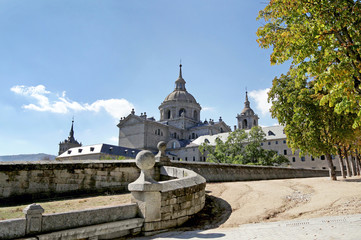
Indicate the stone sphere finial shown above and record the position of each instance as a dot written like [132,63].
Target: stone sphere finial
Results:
[145,160]
[162,146]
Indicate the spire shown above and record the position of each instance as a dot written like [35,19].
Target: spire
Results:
[180,71]
[71,134]
[180,83]
[246,103]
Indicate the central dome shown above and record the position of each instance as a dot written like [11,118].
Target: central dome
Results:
[179,95]
[180,104]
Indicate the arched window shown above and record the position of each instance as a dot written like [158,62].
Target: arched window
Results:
[193,136]
[168,114]
[245,123]
[221,130]
[206,140]
[182,111]
[174,145]
[254,123]
[195,115]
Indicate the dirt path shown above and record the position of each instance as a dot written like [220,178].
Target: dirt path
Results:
[275,200]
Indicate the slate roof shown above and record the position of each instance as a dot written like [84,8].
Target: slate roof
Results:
[272,133]
[101,148]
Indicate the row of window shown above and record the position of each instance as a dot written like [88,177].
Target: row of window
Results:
[276,142]
[158,132]
[180,113]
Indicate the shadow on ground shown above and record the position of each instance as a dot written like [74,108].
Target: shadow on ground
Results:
[216,211]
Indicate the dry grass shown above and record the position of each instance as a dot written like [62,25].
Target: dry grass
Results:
[58,206]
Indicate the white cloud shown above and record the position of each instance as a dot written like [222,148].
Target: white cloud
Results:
[210,109]
[260,97]
[61,104]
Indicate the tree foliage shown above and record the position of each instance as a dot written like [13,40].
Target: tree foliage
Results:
[242,148]
[318,100]
[322,39]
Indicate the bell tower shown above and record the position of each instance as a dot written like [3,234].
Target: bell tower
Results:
[247,119]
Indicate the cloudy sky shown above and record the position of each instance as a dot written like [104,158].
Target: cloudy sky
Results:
[96,60]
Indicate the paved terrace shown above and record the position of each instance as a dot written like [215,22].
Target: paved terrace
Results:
[341,228]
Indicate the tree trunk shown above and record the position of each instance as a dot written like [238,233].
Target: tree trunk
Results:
[358,164]
[353,167]
[331,168]
[340,160]
[347,163]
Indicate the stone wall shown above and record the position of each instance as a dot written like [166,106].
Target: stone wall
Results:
[33,180]
[105,223]
[214,172]
[181,198]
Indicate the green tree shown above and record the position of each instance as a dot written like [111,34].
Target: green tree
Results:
[242,148]
[322,40]
[229,151]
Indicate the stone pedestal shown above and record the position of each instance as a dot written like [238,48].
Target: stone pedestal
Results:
[34,217]
[145,190]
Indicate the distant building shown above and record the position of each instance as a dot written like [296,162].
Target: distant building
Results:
[98,152]
[70,142]
[179,122]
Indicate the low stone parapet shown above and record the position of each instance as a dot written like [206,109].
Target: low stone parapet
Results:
[166,204]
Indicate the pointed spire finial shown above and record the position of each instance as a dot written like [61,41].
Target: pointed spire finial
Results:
[246,103]
[180,69]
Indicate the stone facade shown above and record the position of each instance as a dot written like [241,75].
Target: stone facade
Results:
[178,125]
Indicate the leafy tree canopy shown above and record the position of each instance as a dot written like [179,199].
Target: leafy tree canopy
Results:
[322,39]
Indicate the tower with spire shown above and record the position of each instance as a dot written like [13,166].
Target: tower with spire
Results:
[70,142]
[247,118]
[179,123]
[180,108]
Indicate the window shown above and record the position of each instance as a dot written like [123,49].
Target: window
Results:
[174,145]
[245,123]
[195,115]
[206,140]
[270,133]
[285,152]
[80,150]
[168,116]
[69,151]
[323,168]
[293,159]
[193,135]
[261,144]
[186,159]
[284,141]
[276,142]
[221,130]
[303,159]
[323,157]
[194,158]
[269,143]
[312,158]
[92,149]
[182,112]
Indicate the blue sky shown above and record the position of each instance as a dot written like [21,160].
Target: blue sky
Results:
[95,60]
